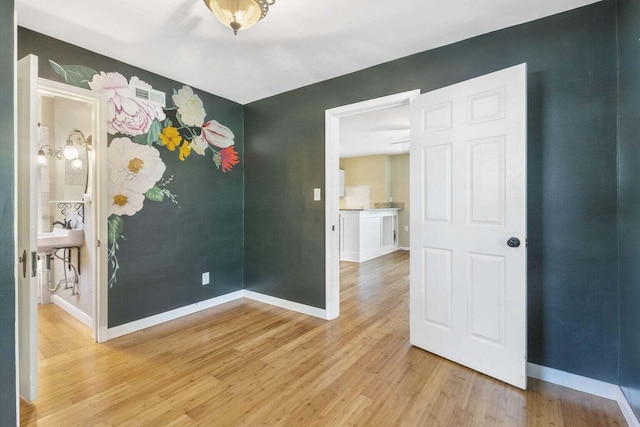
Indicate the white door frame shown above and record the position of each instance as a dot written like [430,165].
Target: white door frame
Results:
[97,181]
[332,190]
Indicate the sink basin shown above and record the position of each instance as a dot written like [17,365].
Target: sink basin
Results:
[60,238]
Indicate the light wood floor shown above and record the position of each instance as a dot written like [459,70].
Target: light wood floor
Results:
[245,363]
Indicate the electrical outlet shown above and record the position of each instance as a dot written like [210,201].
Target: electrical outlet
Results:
[205,278]
[317,195]
[406,228]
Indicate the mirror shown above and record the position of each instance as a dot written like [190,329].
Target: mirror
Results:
[60,118]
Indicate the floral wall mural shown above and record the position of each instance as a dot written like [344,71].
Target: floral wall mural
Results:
[175,181]
[136,173]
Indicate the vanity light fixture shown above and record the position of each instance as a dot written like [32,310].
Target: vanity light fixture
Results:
[70,152]
[239,14]
[76,139]
[47,151]
[76,163]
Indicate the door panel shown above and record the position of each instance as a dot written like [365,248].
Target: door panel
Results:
[468,192]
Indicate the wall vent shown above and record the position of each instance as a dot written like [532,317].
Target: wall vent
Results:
[150,95]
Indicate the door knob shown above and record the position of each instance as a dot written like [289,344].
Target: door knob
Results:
[513,242]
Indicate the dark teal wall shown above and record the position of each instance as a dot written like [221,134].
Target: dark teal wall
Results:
[573,256]
[7,251]
[166,248]
[629,197]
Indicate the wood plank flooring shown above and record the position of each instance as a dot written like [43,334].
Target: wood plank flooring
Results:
[245,363]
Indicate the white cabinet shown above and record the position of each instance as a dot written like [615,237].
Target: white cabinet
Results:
[368,234]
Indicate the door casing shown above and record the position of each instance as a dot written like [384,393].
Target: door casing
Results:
[332,187]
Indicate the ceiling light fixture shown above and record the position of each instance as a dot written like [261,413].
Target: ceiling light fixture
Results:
[239,14]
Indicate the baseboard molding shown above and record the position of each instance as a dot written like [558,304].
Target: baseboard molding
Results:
[288,305]
[587,385]
[167,316]
[404,248]
[73,310]
[625,407]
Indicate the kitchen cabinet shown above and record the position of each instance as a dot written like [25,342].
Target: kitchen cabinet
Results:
[368,233]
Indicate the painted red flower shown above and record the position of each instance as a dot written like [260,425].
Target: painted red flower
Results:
[228,158]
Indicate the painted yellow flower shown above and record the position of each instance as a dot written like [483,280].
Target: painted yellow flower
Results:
[170,137]
[185,150]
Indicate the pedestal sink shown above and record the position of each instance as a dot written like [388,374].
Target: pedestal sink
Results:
[60,238]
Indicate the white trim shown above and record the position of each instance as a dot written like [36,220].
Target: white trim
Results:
[98,183]
[73,310]
[167,316]
[15,213]
[625,407]
[288,305]
[404,248]
[573,381]
[587,385]
[332,191]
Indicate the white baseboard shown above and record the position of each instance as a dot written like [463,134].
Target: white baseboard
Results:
[587,385]
[576,382]
[157,319]
[628,413]
[288,305]
[404,248]
[73,310]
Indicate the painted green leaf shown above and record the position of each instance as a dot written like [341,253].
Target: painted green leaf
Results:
[217,160]
[168,123]
[77,75]
[152,135]
[154,132]
[155,194]
[140,139]
[115,228]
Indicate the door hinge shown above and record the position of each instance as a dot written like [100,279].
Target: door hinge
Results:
[98,242]
[34,264]
[333,228]
[23,260]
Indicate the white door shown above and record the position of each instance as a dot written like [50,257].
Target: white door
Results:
[468,199]
[26,245]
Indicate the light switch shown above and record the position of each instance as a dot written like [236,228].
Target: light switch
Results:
[205,278]
[317,195]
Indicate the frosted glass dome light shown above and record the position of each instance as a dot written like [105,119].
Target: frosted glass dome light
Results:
[239,14]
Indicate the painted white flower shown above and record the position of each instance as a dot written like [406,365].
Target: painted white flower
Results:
[123,201]
[217,134]
[189,106]
[125,114]
[132,166]
[199,145]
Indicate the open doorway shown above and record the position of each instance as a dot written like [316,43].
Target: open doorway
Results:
[60,210]
[353,119]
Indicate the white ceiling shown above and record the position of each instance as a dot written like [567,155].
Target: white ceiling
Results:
[300,42]
[384,131]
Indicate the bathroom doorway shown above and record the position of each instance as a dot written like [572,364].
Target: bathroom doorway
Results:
[61,210]
[67,192]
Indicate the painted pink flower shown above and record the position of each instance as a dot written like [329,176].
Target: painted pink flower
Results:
[217,135]
[125,114]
